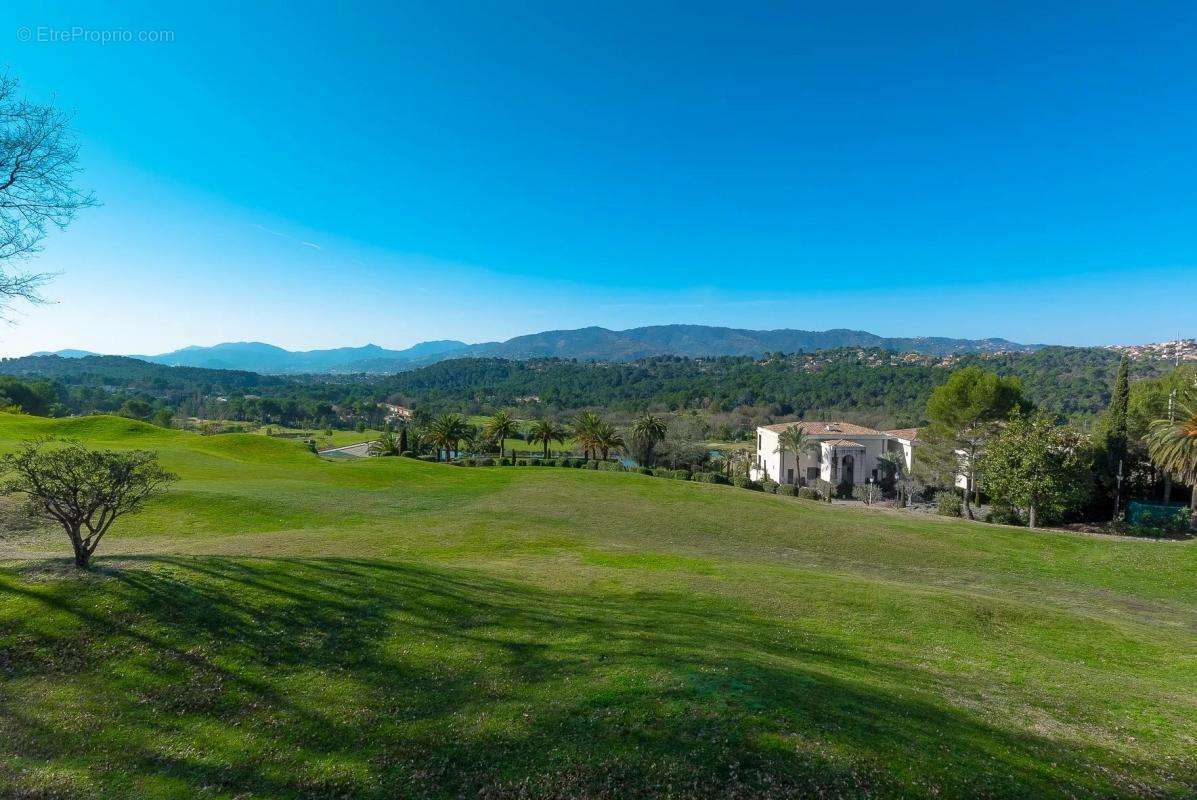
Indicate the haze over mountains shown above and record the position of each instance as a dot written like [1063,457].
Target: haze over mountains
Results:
[587,344]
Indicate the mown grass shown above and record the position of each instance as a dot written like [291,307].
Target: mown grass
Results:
[284,626]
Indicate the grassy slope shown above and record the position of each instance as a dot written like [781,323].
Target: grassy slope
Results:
[285,626]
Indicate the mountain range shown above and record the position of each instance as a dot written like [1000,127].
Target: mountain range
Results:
[586,344]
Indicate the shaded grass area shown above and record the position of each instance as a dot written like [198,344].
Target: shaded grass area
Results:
[358,677]
[282,626]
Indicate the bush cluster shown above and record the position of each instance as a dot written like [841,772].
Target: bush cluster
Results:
[1004,515]
[948,504]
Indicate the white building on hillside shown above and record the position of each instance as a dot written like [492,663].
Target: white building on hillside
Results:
[845,453]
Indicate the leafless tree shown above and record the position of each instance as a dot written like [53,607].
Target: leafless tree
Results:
[38,163]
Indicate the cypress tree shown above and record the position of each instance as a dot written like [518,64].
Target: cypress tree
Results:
[402,439]
[1119,403]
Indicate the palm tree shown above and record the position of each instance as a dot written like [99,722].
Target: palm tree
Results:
[607,438]
[417,439]
[500,426]
[795,440]
[546,431]
[739,461]
[1172,445]
[387,444]
[586,426]
[446,431]
[647,432]
[472,439]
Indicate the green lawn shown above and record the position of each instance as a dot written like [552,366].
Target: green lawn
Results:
[283,626]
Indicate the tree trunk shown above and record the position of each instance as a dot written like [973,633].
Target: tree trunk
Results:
[1032,518]
[82,557]
[968,490]
[1167,487]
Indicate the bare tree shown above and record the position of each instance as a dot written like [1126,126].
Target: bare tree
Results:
[38,163]
[83,490]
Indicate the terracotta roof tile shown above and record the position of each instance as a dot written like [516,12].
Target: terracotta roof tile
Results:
[814,428]
[910,434]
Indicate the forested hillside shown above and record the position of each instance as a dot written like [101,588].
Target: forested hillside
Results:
[872,386]
[880,387]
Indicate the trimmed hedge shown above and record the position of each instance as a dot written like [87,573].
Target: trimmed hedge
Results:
[746,483]
[787,490]
[809,493]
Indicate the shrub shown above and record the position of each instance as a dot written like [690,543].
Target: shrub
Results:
[484,462]
[523,462]
[611,466]
[644,470]
[844,490]
[809,493]
[722,480]
[700,477]
[592,465]
[787,490]
[823,488]
[746,483]
[947,504]
[505,462]
[1004,515]
[868,493]
[408,454]
[428,458]
[548,462]
[769,485]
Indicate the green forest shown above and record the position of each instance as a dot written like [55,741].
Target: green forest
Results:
[873,387]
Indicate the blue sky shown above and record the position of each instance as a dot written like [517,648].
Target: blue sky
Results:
[317,176]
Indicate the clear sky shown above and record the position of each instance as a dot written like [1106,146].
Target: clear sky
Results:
[312,175]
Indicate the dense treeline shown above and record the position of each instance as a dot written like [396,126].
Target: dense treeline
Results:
[874,387]
[868,386]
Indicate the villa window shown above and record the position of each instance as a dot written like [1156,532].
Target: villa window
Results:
[812,473]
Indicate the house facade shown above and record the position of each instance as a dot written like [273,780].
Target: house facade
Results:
[842,452]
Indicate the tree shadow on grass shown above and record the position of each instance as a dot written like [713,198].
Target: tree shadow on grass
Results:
[371,678]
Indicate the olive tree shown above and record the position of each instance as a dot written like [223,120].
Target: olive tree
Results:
[1035,465]
[83,490]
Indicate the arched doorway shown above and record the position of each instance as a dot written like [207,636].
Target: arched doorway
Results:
[849,471]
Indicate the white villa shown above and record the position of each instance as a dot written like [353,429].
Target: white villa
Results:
[846,453]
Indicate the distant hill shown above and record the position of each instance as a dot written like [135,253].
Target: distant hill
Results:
[65,353]
[134,373]
[601,344]
[269,359]
[584,344]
